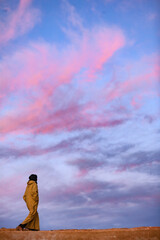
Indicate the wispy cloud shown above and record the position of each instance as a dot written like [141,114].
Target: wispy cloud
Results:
[36,83]
[141,161]
[18,21]
[72,15]
[85,165]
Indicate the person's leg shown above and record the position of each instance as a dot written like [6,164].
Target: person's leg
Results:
[28,220]
[34,224]
[30,217]
[20,227]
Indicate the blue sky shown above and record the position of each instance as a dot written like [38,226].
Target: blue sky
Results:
[79,99]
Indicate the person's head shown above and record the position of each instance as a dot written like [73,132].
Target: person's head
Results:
[33,177]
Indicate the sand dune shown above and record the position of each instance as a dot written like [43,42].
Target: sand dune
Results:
[141,233]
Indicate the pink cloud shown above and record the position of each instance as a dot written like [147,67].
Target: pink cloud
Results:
[72,15]
[77,188]
[11,186]
[85,166]
[36,83]
[138,84]
[102,45]
[18,21]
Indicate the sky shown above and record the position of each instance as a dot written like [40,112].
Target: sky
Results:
[80,107]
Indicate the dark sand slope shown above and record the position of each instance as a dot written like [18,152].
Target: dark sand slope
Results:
[142,233]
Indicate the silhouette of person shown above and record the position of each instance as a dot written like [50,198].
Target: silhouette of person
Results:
[32,199]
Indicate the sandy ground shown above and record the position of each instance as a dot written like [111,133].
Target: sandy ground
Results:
[142,233]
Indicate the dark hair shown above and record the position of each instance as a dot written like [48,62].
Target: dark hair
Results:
[33,177]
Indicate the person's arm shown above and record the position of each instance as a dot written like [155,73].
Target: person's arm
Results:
[34,193]
[24,196]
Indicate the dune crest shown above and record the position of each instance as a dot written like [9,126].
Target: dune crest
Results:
[140,233]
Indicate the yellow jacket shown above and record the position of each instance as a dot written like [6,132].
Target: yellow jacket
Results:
[31,194]
[32,199]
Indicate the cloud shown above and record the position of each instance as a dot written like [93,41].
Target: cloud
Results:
[139,84]
[73,17]
[18,21]
[86,143]
[85,165]
[79,192]
[64,146]
[141,161]
[96,200]
[8,186]
[82,198]
[36,85]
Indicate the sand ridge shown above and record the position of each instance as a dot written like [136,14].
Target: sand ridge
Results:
[140,233]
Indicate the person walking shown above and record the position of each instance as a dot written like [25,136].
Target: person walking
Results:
[32,199]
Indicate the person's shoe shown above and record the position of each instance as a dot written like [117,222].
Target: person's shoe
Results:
[19,228]
[25,229]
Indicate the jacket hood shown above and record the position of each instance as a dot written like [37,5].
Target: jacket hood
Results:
[30,182]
